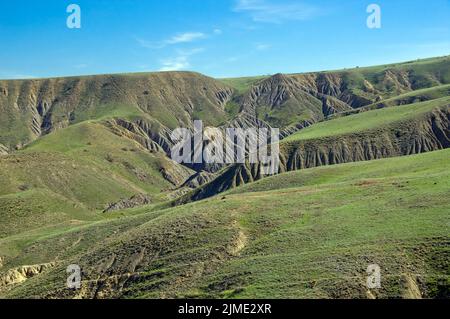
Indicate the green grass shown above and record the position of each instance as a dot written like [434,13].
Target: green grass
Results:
[367,120]
[172,99]
[433,65]
[109,111]
[417,96]
[242,85]
[232,108]
[305,234]
[93,144]
[400,167]
[73,174]
[394,79]
[357,87]
[39,208]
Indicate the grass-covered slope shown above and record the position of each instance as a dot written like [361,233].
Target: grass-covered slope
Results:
[417,96]
[369,120]
[74,173]
[242,85]
[97,144]
[305,234]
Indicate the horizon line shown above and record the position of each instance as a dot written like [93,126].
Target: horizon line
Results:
[221,78]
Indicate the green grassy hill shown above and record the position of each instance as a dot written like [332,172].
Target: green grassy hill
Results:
[73,174]
[304,234]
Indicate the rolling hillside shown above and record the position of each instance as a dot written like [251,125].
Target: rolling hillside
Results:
[76,173]
[305,234]
[86,178]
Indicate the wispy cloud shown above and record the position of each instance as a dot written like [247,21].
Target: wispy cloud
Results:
[148,44]
[190,52]
[263,46]
[181,61]
[271,11]
[186,37]
[175,64]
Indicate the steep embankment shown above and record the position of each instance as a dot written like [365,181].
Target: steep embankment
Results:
[406,130]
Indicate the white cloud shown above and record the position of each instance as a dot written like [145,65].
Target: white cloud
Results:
[175,64]
[217,31]
[186,37]
[147,44]
[190,52]
[276,11]
[263,46]
[181,61]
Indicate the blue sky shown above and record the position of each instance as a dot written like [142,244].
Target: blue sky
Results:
[220,38]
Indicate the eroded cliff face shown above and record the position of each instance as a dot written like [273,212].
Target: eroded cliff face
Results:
[20,274]
[282,100]
[160,102]
[146,108]
[285,100]
[31,108]
[429,132]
